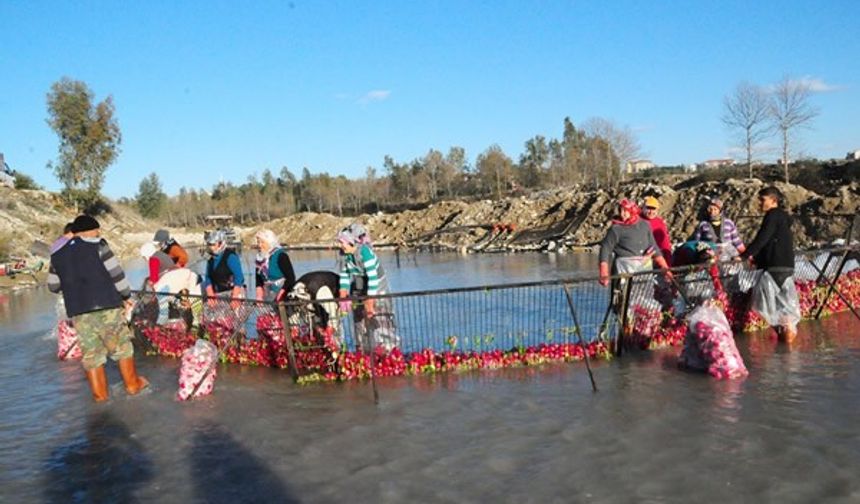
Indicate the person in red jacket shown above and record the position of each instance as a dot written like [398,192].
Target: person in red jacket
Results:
[658,227]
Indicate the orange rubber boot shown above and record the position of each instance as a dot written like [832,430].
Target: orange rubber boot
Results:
[98,383]
[133,382]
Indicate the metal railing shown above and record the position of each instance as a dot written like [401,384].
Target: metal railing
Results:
[475,327]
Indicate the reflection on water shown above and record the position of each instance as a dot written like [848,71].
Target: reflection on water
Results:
[652,433]
[103,464]
[225,471]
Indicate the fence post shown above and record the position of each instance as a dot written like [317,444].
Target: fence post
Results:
[579,334]
[625,300]
[371,351]
[288,336]
[832,283]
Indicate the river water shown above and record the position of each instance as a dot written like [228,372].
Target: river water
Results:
[788,433]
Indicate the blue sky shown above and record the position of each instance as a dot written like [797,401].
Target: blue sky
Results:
[214,90]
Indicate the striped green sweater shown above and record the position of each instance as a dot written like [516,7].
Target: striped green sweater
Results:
[352,268]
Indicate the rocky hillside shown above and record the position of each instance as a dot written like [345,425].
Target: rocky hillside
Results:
[564,218]
[39,216]
[577,217]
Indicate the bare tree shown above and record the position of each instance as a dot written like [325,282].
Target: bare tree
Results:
[622,140]
[790,109]
[747,112]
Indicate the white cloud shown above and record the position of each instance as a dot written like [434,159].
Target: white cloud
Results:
[815,84]
[376,95]
[644,128]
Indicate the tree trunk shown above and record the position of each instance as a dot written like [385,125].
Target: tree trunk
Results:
[785,153]
[749,153]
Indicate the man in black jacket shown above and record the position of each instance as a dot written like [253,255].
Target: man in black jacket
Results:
[772,250]
[97,297]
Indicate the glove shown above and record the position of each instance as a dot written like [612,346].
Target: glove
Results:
[604,274]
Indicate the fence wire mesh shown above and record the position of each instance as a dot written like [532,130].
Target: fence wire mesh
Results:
[485,326]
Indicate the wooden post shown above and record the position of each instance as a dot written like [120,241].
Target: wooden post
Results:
[288,336]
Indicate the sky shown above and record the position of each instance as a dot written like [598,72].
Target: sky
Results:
[207,91]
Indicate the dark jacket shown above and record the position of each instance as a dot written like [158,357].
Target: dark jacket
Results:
[89,276]
[773,245]
[224,271]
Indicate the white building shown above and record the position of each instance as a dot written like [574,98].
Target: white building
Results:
[853,155]
[715,163]
[638,165]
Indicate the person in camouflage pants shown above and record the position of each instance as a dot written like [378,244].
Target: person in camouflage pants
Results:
[97,298]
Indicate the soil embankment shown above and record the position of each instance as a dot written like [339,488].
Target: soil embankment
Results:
[560,219]
[577,217]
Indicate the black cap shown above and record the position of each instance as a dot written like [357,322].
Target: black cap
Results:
[84,223]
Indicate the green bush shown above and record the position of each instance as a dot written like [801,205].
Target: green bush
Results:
[88,202]
[23,181]
[5,246]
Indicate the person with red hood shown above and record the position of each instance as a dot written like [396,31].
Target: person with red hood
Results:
[629,245]
[658,227]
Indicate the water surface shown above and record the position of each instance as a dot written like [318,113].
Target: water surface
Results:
[651,434]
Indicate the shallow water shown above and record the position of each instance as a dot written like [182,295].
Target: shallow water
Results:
[651,434]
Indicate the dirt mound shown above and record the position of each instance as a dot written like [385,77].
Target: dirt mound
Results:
[577,217]
[568,217]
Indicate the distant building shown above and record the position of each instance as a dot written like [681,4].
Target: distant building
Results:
[853,155]
[715,163]
[638,165]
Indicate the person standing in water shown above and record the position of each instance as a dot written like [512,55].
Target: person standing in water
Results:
[224,277]
[361,274]
[658,227]
[772,251]
[97,297]
[720,230]
[170,247]
[629,245]
[274,270]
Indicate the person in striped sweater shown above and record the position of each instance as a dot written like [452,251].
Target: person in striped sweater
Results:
[720,230]
[361,274]
[98,299]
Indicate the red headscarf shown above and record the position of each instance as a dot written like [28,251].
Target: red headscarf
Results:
[631,207]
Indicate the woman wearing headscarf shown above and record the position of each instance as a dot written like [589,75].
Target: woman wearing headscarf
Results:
[629,244]
[361,274]
[274,270]
[158,262]
[224,277]
[720,230]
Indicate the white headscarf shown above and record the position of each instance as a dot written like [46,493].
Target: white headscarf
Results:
[268,237]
